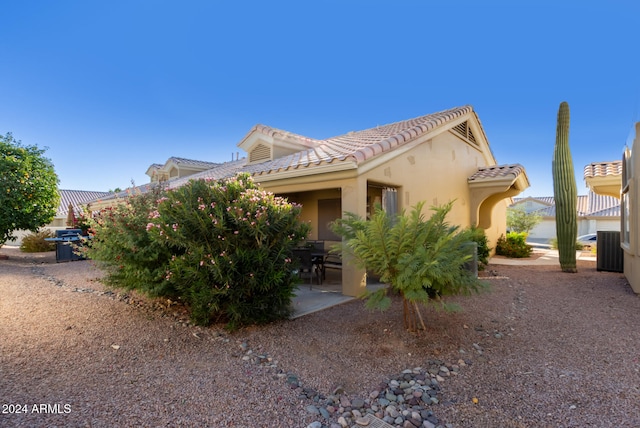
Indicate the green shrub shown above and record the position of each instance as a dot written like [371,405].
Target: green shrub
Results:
[232,244]
[422,260]
[35,242]
[514,245]
[478,235]
[224,248]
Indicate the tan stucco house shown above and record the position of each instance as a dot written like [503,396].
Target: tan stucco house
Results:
[622,179]
[594,213]
[434,158]
[176,167]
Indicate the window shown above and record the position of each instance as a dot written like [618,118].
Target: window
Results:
[625,214]
[390,202]
[625,209]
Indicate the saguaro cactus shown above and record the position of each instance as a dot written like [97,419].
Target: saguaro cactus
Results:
[565,193]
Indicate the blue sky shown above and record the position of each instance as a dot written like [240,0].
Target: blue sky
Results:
[112,87]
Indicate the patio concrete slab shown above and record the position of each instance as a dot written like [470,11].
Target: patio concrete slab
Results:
[323,296]
[309,301]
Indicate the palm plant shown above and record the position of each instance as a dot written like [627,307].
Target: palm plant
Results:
[421,260]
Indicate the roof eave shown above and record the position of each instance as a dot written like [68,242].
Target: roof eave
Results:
[303,171]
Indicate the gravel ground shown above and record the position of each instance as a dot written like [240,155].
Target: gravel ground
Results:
[542,349]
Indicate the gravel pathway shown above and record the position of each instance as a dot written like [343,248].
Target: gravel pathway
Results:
[542,349]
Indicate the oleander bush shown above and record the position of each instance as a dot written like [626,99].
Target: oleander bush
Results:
[232,244]
[514,245]
[222,247]
[35,242]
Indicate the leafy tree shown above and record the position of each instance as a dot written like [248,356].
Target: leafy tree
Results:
[519,220]
[29,195]
[421,260]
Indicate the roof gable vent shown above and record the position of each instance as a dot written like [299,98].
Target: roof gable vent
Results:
[259,153]
[464,131]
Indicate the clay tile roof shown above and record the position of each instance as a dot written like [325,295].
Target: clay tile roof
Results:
[76,198]
[603,169]
[591,205]
[286,135]
[365,144]
[602,205]
[497,171]
[357,146]
[192,162]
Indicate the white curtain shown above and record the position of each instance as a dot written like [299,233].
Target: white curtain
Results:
[390,201]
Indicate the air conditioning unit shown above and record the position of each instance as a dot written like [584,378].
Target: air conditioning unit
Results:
[609,253]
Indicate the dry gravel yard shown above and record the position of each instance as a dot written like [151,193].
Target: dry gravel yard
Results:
[542,349]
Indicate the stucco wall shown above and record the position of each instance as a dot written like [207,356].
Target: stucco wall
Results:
[631,249]
[436,172]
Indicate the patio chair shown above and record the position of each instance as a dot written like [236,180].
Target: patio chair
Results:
[318,255]
[332,261]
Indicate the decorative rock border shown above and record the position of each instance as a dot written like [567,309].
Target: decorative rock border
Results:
[405,400]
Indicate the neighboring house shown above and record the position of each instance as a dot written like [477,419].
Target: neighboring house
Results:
[78,199]
[625,177]
[436,158]
[177,167]
[595,212]
[604,178]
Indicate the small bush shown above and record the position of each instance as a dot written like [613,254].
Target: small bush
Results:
[514,245]
[479,237]
[35,242]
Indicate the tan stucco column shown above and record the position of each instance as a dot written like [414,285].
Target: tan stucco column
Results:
[630,264]
[354,199]
[485,194]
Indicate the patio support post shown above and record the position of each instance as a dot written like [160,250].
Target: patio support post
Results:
[354,200]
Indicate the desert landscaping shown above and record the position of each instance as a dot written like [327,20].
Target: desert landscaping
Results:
[541,349]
